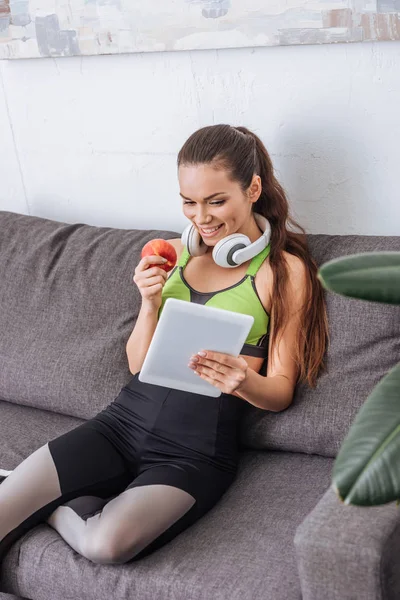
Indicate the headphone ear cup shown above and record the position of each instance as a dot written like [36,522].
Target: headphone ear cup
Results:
[223,251]
[193,241]
[185,235]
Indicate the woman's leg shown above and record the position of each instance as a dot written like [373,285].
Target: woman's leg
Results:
[161,502]
[31,485]
[123,526]
[78,463]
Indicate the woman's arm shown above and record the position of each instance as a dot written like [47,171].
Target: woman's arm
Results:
[140,338]
[146,323]
[275,391]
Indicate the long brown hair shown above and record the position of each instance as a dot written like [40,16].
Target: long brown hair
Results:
[242,154]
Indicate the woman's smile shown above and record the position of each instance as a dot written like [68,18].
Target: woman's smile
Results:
[210,232]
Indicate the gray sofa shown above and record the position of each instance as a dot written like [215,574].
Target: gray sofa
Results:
[67,307]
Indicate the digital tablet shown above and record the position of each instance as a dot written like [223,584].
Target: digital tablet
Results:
[183,329]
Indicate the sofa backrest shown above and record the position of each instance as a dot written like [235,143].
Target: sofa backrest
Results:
[68,305]
[364,346]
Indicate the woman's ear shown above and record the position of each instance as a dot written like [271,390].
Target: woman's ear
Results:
[255,189]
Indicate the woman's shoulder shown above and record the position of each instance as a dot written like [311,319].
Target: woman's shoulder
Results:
[296,265]
[297,271]
[298,275]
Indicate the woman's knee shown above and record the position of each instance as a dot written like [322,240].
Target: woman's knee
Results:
[105,550]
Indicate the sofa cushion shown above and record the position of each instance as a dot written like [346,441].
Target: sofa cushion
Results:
[364,346]
[24,429]
[68,305]
[241,549]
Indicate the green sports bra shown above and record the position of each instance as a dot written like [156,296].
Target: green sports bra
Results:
[241,297]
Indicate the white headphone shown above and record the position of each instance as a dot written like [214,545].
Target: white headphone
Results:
[232,250]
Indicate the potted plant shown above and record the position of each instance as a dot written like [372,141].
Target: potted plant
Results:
[366,471]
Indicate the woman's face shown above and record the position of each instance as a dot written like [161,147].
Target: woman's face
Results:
[229,207]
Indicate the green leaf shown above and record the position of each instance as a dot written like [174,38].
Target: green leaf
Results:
[373,276]
[366,471]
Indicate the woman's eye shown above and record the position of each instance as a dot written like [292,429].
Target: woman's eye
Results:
[211,203]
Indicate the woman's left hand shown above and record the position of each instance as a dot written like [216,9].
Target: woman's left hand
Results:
[224,371]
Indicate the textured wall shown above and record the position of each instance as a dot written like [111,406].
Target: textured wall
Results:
[95,139]
[33,28]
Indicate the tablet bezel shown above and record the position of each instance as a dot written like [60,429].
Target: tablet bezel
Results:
[212,329]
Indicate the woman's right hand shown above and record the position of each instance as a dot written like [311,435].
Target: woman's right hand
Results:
[150,280]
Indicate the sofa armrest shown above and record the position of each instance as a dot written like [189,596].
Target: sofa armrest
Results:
[349,552]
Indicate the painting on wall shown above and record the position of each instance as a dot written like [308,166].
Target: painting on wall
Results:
[42,28]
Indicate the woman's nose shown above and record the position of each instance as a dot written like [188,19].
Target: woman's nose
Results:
[202,217]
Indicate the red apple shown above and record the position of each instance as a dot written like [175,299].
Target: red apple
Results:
[160,247]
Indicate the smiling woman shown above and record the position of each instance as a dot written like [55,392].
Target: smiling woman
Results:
[226,177]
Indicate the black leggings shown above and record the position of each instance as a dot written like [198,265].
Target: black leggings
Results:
[88,463]
[148,435]
[103,471]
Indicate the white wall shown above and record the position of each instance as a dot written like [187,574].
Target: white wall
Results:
[95,139]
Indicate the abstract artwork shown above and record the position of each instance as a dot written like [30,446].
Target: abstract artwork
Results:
[40,28]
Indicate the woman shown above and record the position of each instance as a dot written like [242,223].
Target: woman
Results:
[156,459]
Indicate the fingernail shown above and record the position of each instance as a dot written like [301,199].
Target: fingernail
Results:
[201,353]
